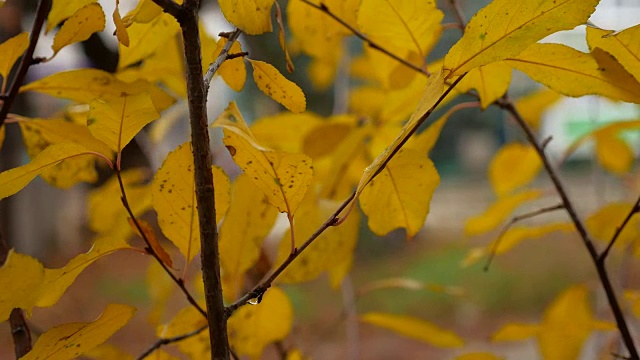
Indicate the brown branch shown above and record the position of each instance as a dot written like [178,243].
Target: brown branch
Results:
[166,341]
[27,59]
[634,210]
[457,11]
[170,7]
[322,7]
[511,222]
[621,322]
[222,57]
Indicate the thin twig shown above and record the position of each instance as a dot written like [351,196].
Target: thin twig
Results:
[27,59]
[634,210]
[166,341]
[457,11]
[170,7]
[222,57]
[149,249]
[374,45]
[511,222]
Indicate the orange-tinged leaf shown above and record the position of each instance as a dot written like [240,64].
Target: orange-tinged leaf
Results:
[277,87]
[79,27]
[146,11]
[23,275]
[147,38]
[614,154]
[505,28]
[121,29]
[513,166]
[433,91]
[399,197]
[532,106]
[150,235]
[71,340]
[516,332]
[403,26]
[491,81]
[11,50]
[283,177]
[115,122]
[174,199]
[63,9]
[623,45]
[332,248]
[414,328]
[282,38]
[479,356]
[498,212]
[574,73]
[56,281]
[251,328]
[233,71]
[251,16]
[2,135]
[106,213]
[247,223]
[13,180]
[603,223]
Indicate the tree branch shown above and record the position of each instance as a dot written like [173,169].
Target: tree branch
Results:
[170,7]
[27,59]
[457,11]
[634,210]
[224,55]
[166,341]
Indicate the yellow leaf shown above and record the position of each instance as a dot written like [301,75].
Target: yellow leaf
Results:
[403,26]
[63,9]
[400,196]
[505,28]
[79,27]
[187,320]
[23,275]
[633,297]
[146,11]
[323,139]
[251,328]
[604,223]
[108,351]
[332,248]
[2,135]
[247,223]
[532,106]
[491,81]
[614,154]
[71,340]
[433,91]
[623,45]
[574,73]
[233,71]
[174,199]
[147,38]
[107,215]
[160,287]
[414,328]
[56,281]
[282,38]
[285,131]
[117,121]
[366,101]
[283,177]
[516,332]
[251,16]
[277,87]
[121,30]
[499,211]
[513,166]
[11,50]
[13,180]
[426,140]
[150,235]
[479,356]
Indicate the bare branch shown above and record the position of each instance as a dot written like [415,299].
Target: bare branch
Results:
[166,341]
[170,7]
[457,11]
[634,210]
[222,57]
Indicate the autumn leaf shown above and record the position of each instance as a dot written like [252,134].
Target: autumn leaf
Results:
[174,199]
[479,356]
[403,189]
[251,16]
[513,166]
[491,82]
[145,12]
[251,328]
[505,28]
[574,73]
[62,10]
[79,27]
[414,328]
[151,237]
[621,44]
[604,223]
[13,180]
[614,154]
[11,51]
[147,38]
[566,324]
[285,131]
[282,38]
[403,26]
[532,106]
[186,320]
[498,212]
[22,274]
[121,29]
[117,121]
[71,340]
[283,177]
[232,71]
[273,84]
